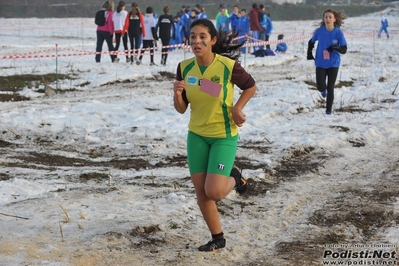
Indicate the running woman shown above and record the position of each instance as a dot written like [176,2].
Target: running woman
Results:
[331,43]
[206,84]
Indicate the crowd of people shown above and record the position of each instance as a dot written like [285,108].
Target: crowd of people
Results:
[143,29]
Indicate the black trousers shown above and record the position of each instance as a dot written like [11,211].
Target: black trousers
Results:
[165,42]
[331,75]
[118,43]
[101,37]
[148,44]
[134,44]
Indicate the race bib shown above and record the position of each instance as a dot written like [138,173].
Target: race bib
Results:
[210,87]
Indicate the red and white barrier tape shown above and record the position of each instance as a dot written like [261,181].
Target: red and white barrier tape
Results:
[178,48]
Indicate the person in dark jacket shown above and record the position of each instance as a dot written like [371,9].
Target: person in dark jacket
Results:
[166,25]
[254,24]
[136,31]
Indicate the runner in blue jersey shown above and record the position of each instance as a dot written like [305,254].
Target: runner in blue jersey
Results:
[331,43]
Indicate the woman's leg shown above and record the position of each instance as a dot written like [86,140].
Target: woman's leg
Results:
[131,45]
[145,46]
[118,42]
[126,52]
[136,45]
[210,162]
[165,50]
[332,74]
[321,75]
[207,206]
[111,48]
[99,46]
[151,45]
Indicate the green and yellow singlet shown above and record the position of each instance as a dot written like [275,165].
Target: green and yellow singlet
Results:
[210,93]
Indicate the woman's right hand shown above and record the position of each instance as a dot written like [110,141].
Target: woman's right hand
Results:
[178,87]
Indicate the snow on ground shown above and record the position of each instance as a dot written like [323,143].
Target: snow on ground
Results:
[96,174]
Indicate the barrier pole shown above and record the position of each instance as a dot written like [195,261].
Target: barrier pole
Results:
[56,66]
[373,47]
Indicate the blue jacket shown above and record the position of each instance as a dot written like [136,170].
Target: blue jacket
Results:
[233,20]
[384,22]
[269,27]
[243,26]
[223,22]
[263,23]
[325,39]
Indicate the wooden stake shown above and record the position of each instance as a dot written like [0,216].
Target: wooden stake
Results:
[15,216]
[62,235]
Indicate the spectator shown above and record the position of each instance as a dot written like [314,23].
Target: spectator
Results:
[281,46]
[269,29]
[151,35]
[384,26]
[263,25]
[183,21]
[179,34]
[220,8]
[234,19]
[254,25]
[223,21]
[165,24]
[243,27]
[136,31]
[121,24]
[203,13]
[105,32]
[192,17]
[181,11]
[197,8]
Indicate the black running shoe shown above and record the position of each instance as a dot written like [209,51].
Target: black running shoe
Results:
[213,245]
[241,183]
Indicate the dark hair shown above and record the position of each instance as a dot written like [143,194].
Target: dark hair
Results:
[261,6]
[149,10]
[226,44]
[254,5]
[120,5]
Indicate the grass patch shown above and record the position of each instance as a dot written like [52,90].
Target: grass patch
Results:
[344,83]
[97,177]
[4,177]
[17,82]
[340,128]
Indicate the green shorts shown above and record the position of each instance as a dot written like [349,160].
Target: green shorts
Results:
[211,155]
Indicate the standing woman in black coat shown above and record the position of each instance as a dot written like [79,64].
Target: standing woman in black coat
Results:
[136,31]
[165,25]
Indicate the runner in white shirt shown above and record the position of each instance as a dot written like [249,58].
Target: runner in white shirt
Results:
[151,35]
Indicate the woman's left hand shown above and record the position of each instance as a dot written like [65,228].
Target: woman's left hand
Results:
[238,117]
